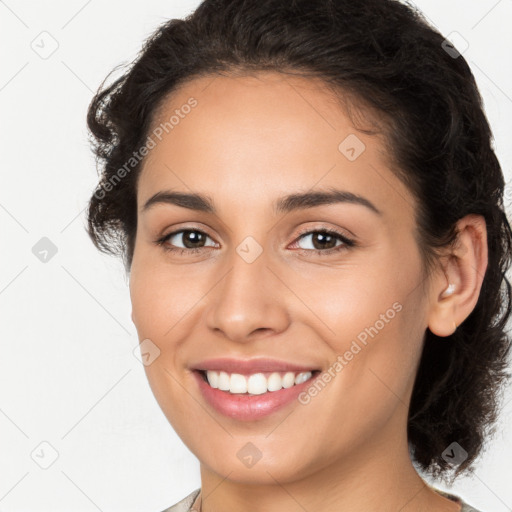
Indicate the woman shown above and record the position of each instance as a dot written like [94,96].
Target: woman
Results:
[311,213]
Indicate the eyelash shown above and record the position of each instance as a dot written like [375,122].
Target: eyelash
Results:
[347,242]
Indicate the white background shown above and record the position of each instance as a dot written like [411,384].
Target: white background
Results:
[68,374]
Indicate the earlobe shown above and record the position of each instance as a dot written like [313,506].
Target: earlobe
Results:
[455,292]
[442,322]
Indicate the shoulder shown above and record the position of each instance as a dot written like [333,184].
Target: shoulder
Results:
[465,507]
[468,508]
[185,504]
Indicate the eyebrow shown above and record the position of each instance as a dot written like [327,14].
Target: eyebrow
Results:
[286,204]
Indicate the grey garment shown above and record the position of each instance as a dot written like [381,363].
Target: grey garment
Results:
[185,505]
[465,506]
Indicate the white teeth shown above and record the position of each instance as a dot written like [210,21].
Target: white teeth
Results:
[223,382]
[288,380]
[213,378]
[274,382]
[255,384]
[237,383]
[302,377]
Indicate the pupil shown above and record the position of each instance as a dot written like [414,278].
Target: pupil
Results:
[193,237]
[323,236]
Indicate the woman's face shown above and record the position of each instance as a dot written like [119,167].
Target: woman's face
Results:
[255,276]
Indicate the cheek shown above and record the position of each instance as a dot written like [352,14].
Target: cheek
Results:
[356,303]
[375,330]
[160,298]
[159,308]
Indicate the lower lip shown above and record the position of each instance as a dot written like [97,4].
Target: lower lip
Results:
[247,407]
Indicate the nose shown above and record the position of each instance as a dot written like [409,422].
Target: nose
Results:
[249,302]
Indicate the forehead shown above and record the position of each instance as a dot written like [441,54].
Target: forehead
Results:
[260,136]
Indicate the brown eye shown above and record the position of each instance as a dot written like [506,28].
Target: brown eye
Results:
[324,242]
[191,240]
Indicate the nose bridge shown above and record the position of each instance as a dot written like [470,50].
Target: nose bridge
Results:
[247,298]
[248,255]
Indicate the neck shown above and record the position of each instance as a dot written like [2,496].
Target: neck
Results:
[377,475]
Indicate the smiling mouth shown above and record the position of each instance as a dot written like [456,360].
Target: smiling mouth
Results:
[256,383]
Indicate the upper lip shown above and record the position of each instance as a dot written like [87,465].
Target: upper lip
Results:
[250,366]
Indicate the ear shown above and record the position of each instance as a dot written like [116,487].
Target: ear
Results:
[464,267]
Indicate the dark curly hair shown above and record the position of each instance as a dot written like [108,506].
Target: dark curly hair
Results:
[385,57]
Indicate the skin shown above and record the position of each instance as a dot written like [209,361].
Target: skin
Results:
[249,141]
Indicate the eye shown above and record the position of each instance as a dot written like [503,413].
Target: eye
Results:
[192,240]
[323,241]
